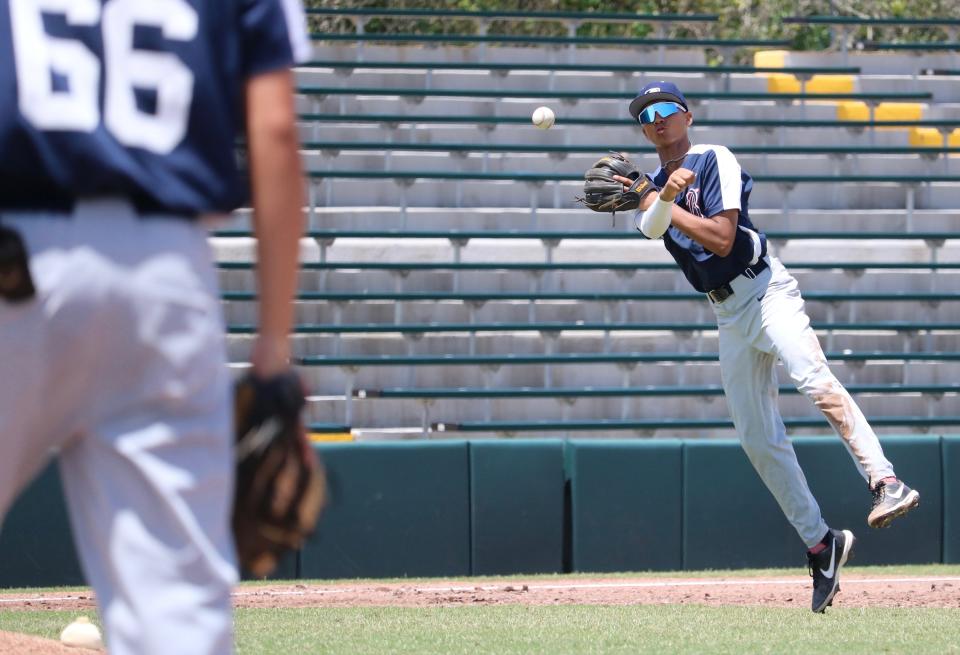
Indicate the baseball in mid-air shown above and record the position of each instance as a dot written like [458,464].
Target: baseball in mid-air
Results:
[543,117]
[82,634]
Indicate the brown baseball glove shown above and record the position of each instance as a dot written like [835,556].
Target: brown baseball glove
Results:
[602,193]
[280,486]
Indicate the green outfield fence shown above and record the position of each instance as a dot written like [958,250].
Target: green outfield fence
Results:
[454,508]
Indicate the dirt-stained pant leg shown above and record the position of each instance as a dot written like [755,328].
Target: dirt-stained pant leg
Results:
[750,385]
[787,326]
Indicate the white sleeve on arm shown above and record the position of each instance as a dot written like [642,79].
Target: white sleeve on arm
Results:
[728,168]
[297,28]
[757,244]
[655,220]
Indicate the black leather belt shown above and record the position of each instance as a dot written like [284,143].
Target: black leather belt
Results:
[724,291]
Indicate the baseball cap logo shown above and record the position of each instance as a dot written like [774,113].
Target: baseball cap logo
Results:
[655,89]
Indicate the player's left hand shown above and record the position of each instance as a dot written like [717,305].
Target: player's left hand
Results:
[600,190]
[625,181]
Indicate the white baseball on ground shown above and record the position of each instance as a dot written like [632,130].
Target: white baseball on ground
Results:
[543,117]
[82,634]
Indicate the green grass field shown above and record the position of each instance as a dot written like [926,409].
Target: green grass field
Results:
[555,629]
[574,629]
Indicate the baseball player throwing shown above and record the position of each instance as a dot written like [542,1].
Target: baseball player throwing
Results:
[702,216]
[118,120]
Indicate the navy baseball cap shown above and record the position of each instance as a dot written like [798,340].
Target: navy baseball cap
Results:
[657,92]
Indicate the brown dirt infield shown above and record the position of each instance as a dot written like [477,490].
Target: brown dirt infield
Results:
[857,591]
[11,642]
[786,591]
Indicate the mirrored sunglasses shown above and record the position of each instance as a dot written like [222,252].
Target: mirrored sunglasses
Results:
[665,109]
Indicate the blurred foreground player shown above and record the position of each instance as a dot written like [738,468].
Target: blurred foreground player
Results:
[118,121]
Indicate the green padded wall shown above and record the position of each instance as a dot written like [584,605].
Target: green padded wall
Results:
[730,520]
[845,500]
[287,568]
[429,508]
[516,500]
[728,507]
[397,509]
[951,499]
[626,504]
[36,543]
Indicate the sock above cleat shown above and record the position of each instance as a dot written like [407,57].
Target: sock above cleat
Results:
[819,548]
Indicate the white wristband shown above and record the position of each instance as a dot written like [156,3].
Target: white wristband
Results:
[757,245]
[656,219]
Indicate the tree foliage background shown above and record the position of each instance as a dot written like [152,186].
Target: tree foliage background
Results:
[739,19]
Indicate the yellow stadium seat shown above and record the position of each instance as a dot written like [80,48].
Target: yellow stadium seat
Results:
[830,84]
[953,141]
[782,83]
[898,111]
[852,111]
[925,137]
[770,58]
[885,111]
[325,437]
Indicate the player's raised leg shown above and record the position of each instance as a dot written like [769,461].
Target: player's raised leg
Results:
[749,382]
[787,326]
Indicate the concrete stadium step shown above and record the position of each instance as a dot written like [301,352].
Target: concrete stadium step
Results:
[396,412]
[388,249]
[626,137]
[943,89]
[865,250]
[872,63]
[640,312]
[943,110]
[504,162]
[334,380]
[579,81]
[502,54]
[506,342]
[586,281]
[465,105]
[468,193]
[496,218]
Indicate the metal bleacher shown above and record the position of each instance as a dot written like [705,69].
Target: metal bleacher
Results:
[451,286]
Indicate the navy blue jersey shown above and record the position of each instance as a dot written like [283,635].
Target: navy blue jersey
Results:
[720,184]
[135,98]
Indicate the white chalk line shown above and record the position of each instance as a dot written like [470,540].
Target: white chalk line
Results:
[591,585]
[724,582]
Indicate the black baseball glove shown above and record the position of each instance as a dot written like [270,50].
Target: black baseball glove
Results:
[602,193]
[280,485]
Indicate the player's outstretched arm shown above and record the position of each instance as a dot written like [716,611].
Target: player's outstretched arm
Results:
[277,183]
[715,233]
